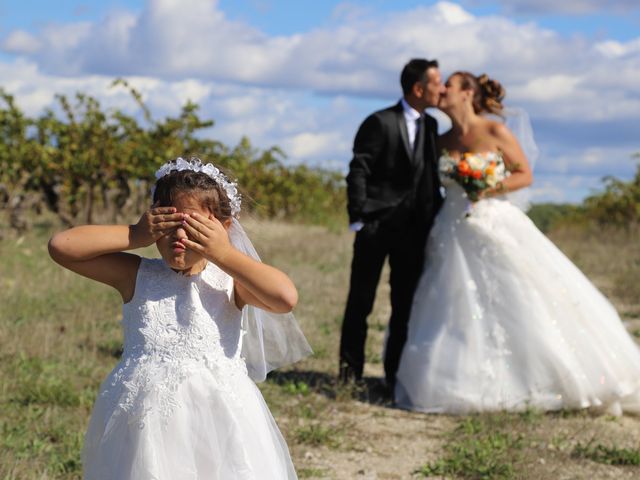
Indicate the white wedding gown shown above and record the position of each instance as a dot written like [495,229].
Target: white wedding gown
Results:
[179,405]
[502,320]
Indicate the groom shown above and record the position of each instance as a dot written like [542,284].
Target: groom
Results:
[393,196]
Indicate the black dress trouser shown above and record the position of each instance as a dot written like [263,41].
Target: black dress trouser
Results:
[405,247]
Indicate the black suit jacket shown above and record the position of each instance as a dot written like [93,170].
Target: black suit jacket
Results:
[386,175]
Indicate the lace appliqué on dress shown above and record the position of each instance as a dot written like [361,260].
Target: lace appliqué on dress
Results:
[171,335]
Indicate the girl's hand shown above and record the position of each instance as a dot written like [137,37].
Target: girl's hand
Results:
[154,224]
[254,282]
[206,236]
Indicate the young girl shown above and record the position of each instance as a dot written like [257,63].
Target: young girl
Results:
[181,403]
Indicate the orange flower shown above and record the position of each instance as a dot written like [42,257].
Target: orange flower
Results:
[477,174]
[463,168]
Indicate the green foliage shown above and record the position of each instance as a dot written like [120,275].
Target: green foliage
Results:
[111,348]
[312,472]
[618,204]
[319,435]
[296,388]
[607,455]
[480,447]
[547,216]
[83,162]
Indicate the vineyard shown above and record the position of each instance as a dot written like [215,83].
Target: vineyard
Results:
[86,164]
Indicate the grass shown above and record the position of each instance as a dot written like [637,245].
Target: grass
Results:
[312,473]
[60,336]
[608,455]
[480,447]
[319,435]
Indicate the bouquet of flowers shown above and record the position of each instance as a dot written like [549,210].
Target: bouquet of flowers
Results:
[474,171]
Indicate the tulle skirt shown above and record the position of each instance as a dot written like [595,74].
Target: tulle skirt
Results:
[210,434]
[502,320]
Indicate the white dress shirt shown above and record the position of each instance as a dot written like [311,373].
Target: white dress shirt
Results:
[410,117]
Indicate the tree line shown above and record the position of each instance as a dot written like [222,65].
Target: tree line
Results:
[616,205]
[85,164]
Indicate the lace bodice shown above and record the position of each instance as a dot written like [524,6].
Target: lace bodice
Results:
[173,326]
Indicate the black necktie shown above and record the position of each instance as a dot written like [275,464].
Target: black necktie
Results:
[418,132]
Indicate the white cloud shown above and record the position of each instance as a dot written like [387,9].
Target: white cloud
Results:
[615,49]
[308,144]
[587,160]
[545,89]
[546,72]
[564,6]
[547,191]
[21,42]
[305,91]
[316,133]
[569,188]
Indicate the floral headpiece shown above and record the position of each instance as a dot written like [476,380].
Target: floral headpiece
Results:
[194,164]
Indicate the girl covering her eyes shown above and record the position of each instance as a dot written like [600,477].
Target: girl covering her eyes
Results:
[201,324]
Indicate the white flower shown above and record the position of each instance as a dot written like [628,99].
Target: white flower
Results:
[194,164]
[446,164]
[475,161]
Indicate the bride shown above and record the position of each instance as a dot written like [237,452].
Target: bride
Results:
[501,319]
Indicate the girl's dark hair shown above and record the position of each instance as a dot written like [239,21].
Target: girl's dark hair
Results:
[211,195]
[487,93]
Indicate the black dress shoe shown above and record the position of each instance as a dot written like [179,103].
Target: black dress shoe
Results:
[348,375]
[381,393]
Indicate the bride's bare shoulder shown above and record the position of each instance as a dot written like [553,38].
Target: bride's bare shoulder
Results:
[496,128]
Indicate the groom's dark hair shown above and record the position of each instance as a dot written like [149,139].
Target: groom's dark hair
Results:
[415,71]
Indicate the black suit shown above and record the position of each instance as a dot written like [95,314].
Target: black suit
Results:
[395,191]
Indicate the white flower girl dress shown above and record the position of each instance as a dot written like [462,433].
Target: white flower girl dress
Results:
[180,405]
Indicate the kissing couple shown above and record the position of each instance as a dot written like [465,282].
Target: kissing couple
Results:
[486,313]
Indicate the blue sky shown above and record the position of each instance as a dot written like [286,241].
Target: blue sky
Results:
[303,75]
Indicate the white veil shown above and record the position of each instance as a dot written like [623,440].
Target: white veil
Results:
[271,340]
[517,120]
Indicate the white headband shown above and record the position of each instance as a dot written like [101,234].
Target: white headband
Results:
[194,164]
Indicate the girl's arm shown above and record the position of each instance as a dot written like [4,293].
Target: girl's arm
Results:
[255,283]
[515,162]
[95,251]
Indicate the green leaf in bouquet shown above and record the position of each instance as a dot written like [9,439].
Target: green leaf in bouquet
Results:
[480,184]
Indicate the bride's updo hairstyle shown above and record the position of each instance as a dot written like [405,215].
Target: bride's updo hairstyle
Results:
[487,93]
[180,182]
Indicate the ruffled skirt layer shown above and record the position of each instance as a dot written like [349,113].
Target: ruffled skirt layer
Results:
[205,433]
